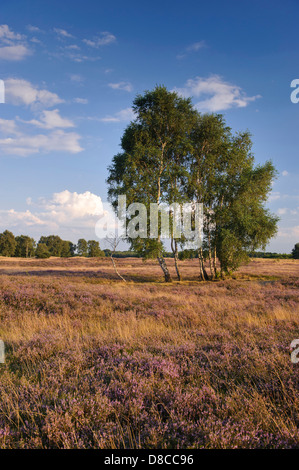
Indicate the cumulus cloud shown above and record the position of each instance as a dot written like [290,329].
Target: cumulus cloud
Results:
[126,86]
[103,39]
[57,141]
[121,116]
[6,34]
[22,92]
[15,219]
[13,46]
[291,233]
[8,126]
[69,214]
[285,173]
[51,120]
[217,95]
[15,141]
[14,53]
[66,206]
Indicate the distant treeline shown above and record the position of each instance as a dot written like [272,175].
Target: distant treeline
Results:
[24,246]
[268,254]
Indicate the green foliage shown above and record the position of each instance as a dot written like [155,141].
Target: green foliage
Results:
[68,249]
[54,243]
[82,247]
[231,253]
[94,250]
[295,251]
[7,243]
[58,247]
[42,251]
[187,254]
[233,192]
[171,153]
[153,145]
[268,254]
[120,254]
[25,246]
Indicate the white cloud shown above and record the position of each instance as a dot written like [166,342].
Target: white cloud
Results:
[274,196]
[63,33]
[33,29]
[282,211]
[7,34]
[15,141]
[68,214]
[65,212]
[82,58]
[81,100]
[72,53]
[8,126]
[103,39]
[13,46]
[14,53]
[76,78]
[123,115]
[285,173]
[51,120]
[57,141]
[35,40]
[289,232]
[73,47]
[126,86]
[196,46]
[218,95]
[11,218]
[66,206]
[19,91]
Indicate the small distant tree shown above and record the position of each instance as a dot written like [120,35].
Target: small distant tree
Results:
[54,243]
[82,247]
[68,249]
[25,246]
[7,243]
[94,250]
[42,251]
[295,251]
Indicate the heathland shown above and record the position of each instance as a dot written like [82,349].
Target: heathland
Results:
[94,362]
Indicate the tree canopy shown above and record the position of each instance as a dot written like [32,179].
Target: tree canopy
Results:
[173,154]
[295,251]
[7,243]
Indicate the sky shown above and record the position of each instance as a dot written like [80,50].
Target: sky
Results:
[72,69]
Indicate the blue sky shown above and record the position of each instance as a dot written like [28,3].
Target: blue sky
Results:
[72,69]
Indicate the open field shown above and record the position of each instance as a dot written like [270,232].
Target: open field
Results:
[92,361]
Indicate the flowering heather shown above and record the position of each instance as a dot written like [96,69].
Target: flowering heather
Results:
[92,362]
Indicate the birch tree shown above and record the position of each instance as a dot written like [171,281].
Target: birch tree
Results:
[151,164]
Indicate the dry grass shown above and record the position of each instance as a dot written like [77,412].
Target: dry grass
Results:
[94,362]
